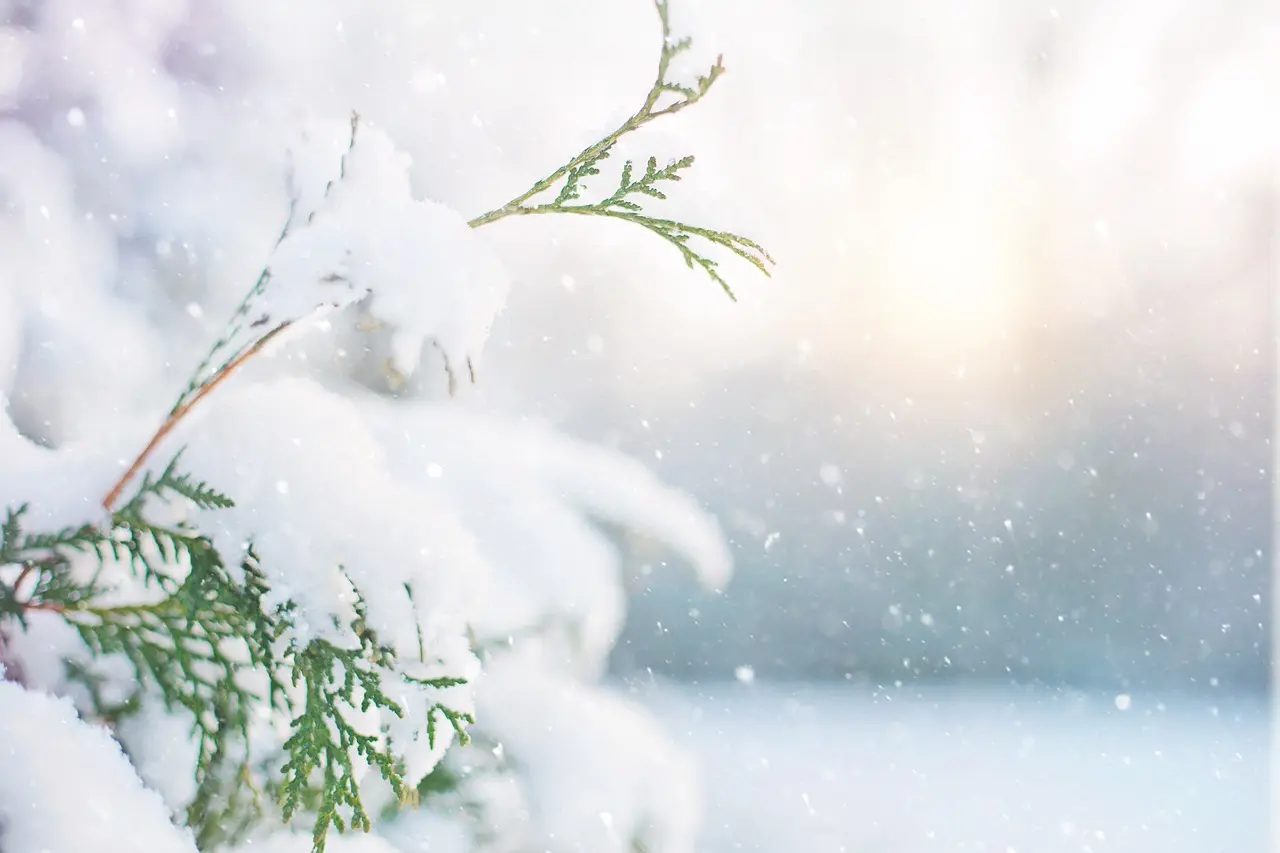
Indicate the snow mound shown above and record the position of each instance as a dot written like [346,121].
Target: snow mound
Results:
[43,746]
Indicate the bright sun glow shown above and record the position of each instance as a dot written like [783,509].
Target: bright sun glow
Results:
[947,280]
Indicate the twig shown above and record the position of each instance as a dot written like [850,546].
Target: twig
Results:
[197,387]
[46,606]
[647,112]
[181,410]
[624,203]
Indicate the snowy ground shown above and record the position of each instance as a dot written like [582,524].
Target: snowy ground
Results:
[859,770]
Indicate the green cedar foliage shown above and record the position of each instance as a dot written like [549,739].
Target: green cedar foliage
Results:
[193,641]
[664,98]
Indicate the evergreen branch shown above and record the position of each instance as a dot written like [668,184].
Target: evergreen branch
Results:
[645,185]
[193,647]
[187,654]
[203,381]
[181,410]
[183,485]
[55,588]
[459,720]
[678,234]
[11,606]
[190,647]
[45,560]
[649,110]
[324,742]
[11,534]
[227,801]
[625,198]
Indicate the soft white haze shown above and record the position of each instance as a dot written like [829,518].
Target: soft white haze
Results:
[1001,413]
[937,181]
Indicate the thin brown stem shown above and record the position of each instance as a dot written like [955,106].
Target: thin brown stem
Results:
[22,576]
[180,411]
[47,606]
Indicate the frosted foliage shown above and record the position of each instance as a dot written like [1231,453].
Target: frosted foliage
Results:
[43,744]
[308,499]
[156,156]
[429,275]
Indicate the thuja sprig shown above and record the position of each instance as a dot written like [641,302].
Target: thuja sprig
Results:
[335,681]
[193,646]
[190,647]
[172,481]
[458,720]
[665,97]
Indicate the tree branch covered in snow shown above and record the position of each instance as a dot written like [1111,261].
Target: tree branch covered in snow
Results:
[196,633]
[299,647]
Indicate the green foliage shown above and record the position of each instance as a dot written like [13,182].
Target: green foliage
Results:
[202,641]
[318,774]
[335,681]
[458,720]
[665,97]
[173,482]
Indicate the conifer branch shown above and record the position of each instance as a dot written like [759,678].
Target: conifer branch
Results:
[624,203]
[203,379]
[184,407]
[325,743]
[192,648]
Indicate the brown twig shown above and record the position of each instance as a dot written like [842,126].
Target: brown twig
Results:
[180,411]
[26,570]
[47,606]
[195,395]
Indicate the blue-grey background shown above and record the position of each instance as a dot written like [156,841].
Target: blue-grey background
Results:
[1005,412]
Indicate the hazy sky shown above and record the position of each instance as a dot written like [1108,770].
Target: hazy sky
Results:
[1025,266]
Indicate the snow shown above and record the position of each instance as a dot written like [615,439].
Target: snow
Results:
[12,49]
[43,744]
[342,507]
[430,276]
[848,768]
[602,774]
[426,832]
[529,495]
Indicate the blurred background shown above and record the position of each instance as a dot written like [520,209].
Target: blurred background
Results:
[993,446]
